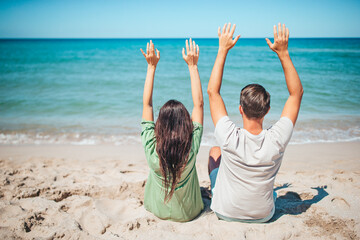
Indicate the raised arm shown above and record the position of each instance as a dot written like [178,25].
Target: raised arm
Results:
[280,46]
[226,42]
[191,58]
[152,60]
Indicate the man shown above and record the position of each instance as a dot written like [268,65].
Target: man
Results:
[244,166]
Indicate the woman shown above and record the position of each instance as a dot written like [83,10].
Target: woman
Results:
[171,144]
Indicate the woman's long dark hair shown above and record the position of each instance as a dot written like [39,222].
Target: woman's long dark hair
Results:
[173,131]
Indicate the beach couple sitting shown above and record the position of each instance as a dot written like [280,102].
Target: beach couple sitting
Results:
[243,167]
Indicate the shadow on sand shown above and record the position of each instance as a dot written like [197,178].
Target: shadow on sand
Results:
[206,197]
[289,204]
[293,204]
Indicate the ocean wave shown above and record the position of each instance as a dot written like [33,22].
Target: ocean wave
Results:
[301,135]
[68,138]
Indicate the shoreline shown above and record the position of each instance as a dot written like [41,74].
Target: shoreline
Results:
[335,150]
[96,192]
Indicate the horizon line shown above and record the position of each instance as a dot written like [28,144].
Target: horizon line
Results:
[119,38]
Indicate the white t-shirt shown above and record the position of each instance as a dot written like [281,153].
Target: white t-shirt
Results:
[249,164]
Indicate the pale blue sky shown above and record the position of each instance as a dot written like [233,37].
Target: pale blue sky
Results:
[169,19]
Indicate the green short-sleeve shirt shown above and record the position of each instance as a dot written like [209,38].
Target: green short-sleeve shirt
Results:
[186,203]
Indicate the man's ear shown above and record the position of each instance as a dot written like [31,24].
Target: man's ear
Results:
[241,110]
[267,111]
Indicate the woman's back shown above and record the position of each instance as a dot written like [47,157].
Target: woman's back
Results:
[186,202]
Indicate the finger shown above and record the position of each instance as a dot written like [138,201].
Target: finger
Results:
[147,48]
[236,39]
[279,30]
[183,53]
[194,46]
[158,54]
[287,34]
[268,42]
[191,45]
[224,28]
[198,49]
[283,31]
[219,33]
[233,30]
[143,52]
[187,46]
[228,27]
[151,46]
[275,33]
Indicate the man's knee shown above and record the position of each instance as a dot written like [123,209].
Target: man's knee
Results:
[214,158]
[215,153]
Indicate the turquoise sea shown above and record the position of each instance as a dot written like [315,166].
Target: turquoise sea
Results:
[87,91]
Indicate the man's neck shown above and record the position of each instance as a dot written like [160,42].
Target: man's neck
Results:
[253,126]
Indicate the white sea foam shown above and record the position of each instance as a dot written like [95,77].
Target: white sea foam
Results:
[301,135]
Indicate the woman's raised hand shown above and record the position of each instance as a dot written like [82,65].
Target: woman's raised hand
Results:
[281,39]
[150,56]
[192,53]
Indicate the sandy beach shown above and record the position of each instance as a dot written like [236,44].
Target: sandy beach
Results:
[96,192]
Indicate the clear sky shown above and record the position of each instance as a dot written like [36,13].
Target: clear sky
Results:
[169,18]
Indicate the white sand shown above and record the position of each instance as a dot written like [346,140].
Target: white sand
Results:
[96,192]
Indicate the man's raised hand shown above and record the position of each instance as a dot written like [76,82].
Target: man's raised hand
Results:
[281,39]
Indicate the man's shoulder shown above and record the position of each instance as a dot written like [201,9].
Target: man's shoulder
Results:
[226,133]
[281,132]
[283,124]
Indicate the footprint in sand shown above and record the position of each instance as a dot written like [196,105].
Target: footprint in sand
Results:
[118,210]
[339,201]
[106,214]
[33,220]
[93,222]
